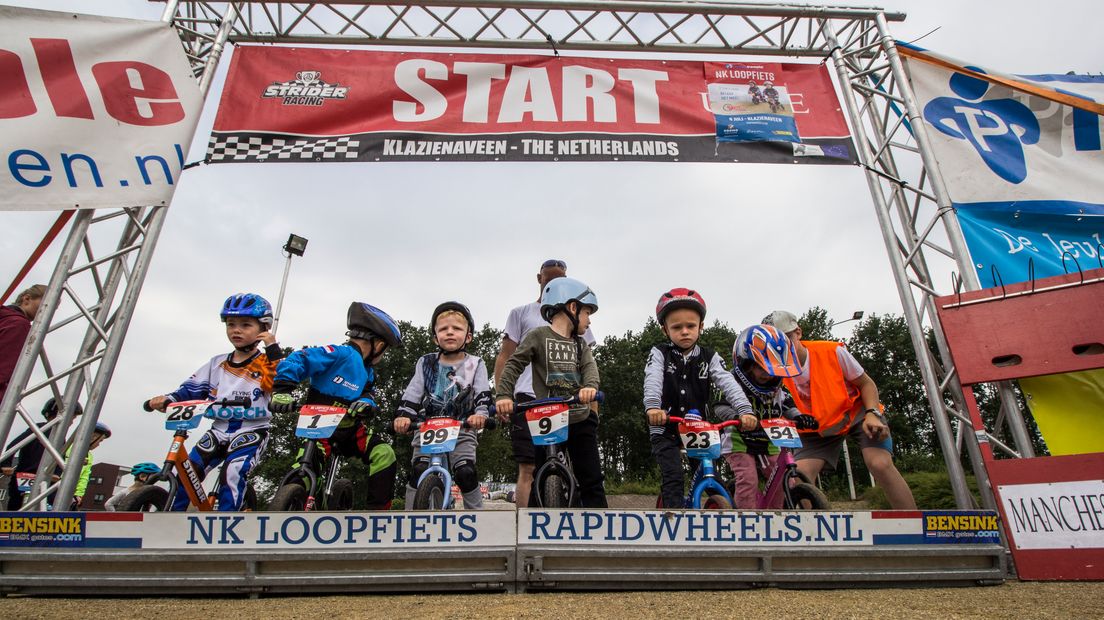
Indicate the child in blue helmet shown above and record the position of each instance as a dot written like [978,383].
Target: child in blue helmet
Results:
[246,372]
[563,365]
[344,376]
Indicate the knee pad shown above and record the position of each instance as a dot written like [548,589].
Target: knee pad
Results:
[417,468]
[207,445]
[463,472]
[247,440]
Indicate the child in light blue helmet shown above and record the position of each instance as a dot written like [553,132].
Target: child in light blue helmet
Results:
[563,365]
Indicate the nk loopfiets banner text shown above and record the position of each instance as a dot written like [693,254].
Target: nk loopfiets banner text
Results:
[285,104]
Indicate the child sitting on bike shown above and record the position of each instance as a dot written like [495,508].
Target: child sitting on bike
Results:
[563,365]
[449,382]
[343,376]
[246,372]
[761,357]
[679,378]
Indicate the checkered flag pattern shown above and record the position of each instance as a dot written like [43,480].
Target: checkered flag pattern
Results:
[264,148]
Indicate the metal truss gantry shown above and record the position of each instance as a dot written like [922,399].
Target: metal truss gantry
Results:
[914,212]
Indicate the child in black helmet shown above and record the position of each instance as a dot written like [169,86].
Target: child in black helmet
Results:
[453,382]
[344,375]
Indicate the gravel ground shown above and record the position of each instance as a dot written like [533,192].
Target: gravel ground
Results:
[1013,600]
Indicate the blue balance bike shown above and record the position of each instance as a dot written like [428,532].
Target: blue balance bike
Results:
[702,441]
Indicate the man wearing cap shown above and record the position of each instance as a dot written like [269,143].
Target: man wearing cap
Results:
[15,324]
[834,388]
[521,320]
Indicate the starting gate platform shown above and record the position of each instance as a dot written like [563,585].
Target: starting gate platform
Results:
[494,550]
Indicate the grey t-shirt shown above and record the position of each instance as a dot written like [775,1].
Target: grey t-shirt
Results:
[558,369]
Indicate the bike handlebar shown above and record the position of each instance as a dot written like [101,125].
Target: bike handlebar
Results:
[226,402]
[489,424]
[726,423]
[551,400]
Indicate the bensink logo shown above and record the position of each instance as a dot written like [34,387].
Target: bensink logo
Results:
[306,89]
[998,129]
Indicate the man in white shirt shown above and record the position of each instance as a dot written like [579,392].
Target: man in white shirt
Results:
[521,320]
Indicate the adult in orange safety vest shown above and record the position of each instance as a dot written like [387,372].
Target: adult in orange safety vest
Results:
[834,388]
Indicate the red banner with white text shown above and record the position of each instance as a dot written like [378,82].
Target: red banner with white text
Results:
[284,104]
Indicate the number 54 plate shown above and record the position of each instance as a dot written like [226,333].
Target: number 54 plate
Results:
[782,432]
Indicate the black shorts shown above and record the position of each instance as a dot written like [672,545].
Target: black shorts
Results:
[520,439]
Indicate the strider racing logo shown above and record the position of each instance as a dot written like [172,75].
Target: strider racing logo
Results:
[306,89]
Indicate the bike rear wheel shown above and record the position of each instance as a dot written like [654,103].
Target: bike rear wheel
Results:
[554,492]
[341,495]
[289,498]
[807,497]
[430,494]
[151,498]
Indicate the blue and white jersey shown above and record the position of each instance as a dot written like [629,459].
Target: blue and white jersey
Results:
[222,379]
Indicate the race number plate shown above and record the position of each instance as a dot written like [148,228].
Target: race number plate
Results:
[701,439]
[548,424]
[318,421]
[782,432]
[185,414]
[438,435]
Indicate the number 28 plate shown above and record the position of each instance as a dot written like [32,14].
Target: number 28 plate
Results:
[548,424]
[439,435]
[782,432]
[185,415]
[701,439]
[318,421]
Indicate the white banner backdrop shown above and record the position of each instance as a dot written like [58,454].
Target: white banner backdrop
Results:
[94,111]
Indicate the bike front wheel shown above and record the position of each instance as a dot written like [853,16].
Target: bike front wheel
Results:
[807,497]
[554,492]
[715,501]
[146,499]
[289,498]
[430,494]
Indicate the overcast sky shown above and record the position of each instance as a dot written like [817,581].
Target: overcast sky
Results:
[406,236]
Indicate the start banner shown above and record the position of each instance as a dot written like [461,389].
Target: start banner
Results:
[284,104]
[94,111]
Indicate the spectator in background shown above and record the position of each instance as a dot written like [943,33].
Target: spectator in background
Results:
[26,460]
[15,324]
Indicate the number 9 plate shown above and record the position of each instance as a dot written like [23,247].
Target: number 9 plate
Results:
[701,439]
[548,424]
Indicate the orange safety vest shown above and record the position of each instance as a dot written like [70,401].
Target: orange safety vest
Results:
[832,402]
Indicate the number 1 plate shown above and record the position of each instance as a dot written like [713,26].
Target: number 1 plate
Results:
[782,432]
[548,424]
[318,421]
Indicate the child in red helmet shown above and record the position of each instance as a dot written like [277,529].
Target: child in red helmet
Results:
[679,380]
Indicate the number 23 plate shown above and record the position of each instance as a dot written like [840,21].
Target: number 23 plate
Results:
[701,439]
